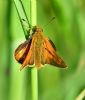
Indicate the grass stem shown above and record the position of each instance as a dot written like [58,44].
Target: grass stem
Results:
[34,73]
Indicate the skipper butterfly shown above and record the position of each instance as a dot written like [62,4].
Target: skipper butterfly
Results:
[38,50]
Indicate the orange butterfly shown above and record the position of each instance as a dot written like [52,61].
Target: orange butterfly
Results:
[38,50]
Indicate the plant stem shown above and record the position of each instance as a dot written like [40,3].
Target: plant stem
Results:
[34,78]
[34,73]
[33,12]
[23,17]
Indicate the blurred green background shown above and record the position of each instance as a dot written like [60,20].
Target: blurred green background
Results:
[67,32]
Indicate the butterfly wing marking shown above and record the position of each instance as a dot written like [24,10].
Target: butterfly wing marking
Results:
[50,56]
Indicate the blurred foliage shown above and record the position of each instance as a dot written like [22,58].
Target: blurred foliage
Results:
[67,32]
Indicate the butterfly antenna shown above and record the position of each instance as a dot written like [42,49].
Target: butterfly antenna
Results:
[49,22]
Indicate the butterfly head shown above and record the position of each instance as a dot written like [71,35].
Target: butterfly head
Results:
[37,29]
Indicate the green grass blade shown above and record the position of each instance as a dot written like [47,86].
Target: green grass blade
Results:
[23,17]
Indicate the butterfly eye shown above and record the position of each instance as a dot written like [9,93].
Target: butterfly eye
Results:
[34,29]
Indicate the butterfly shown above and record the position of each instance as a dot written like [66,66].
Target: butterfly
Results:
[38,50]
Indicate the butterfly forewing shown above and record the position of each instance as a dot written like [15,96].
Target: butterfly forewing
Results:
[50,56]
[29,60]
[22,51]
